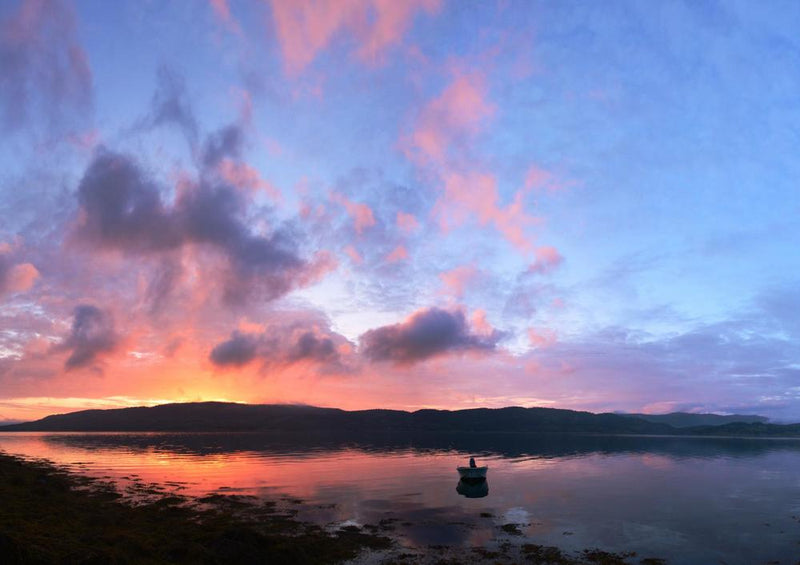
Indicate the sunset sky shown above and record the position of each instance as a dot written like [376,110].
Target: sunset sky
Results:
[375,203]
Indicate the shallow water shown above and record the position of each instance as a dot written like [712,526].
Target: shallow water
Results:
[689,500]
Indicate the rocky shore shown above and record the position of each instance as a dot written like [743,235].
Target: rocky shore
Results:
[49,515]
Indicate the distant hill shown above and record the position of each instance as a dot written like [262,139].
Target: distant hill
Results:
[687,420]
[9,422]
[219,416]
[222,416]
[756,429]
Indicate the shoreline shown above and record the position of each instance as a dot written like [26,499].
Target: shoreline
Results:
[51,515]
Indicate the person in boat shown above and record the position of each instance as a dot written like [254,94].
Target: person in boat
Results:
[472,464]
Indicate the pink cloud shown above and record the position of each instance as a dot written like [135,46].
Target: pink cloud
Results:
[539,179]
[22,277]
[399,253]
[321,264]
[475,194]
[273,147]
[456,114]
[444,131]
[222,11]
[354,255]
[15,276]
[360,213]
[390,23]
[242,175]
[480,323]
[541,338]
[86,140]
[407,222]
[305,27]
[547,259]
[456,280]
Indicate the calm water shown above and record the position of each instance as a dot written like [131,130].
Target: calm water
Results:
[686,500]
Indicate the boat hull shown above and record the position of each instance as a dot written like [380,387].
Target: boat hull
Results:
[472,473]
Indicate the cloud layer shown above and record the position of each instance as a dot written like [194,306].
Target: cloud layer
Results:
[122,209]
[92,334]
[45,71]
[423,335]
[283,344]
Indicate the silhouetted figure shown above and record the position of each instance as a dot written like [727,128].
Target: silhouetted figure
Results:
[472,463]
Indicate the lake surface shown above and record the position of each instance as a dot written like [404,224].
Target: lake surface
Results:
[688,500]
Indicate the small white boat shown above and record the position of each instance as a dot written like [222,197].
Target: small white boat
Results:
[472,473]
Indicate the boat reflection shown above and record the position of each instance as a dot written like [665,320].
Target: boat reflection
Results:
[473,488]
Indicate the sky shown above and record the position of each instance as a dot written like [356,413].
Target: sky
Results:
[419,204]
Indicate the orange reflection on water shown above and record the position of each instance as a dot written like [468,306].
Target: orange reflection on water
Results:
[304,475]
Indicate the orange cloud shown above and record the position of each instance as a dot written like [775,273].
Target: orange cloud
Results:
[305,27]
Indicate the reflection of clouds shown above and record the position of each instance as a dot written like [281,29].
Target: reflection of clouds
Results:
[517,515]
[657,461]
[609,496]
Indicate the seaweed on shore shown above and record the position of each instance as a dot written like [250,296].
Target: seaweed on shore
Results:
[51,516]
[48,515]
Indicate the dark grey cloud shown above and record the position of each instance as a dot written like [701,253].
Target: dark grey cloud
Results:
[239,350]
[280,345]
[122,209]
[5,272]
[171,106]
[310,346]
[227,142]
[44,71]
[92,333]
[426,334]
[162,281]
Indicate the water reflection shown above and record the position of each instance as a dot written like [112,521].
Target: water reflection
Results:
[473,488]
[509,446]
[675,498]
